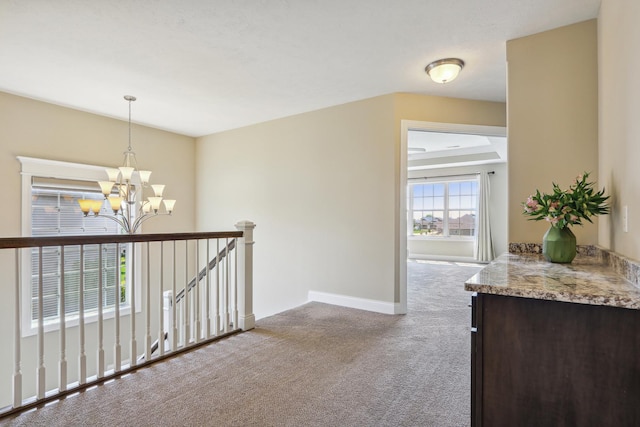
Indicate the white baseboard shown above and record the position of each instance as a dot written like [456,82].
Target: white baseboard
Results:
[352,302]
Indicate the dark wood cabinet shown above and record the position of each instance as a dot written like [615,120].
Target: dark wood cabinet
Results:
[548,363]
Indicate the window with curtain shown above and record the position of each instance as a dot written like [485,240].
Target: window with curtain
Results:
[444,209]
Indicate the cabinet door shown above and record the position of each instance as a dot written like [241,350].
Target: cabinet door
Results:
[476,361]
[555,363]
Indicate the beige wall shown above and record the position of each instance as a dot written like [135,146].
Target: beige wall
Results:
[438,109]
[323,189]
[320,187]
[619,114]
[37,129]
[552,119]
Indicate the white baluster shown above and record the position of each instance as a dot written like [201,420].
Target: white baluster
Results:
[235,285]
[62,368]
[82,362]
[17,373]
[174,326]
[147,350]
[223,289]
[100,355]
[163,327]
[216,317]
[180,321]
[207,292]
[117,350]
[226,286]
[40,373]
[132,307]
[197,331]
[167,308]
[187,323]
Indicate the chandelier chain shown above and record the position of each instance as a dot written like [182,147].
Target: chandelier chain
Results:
[130,99]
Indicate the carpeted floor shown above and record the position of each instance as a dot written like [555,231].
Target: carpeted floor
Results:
[315,365]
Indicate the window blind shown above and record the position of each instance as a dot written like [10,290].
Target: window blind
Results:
[55,211]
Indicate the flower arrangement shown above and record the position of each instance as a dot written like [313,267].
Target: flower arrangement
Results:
[563,208]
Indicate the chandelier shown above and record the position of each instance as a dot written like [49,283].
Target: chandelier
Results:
[124,193]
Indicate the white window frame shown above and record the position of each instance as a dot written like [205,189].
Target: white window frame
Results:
[42,168]
[445,219]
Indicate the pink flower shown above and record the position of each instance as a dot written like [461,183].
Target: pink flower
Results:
[552,219]
[553,206]
[579,178]
[531,204]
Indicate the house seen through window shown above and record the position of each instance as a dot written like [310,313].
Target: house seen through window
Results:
[444,209]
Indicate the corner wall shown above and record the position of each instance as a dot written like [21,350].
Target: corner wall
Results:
[38,129]
[619,115]
[552,120]
[322,188]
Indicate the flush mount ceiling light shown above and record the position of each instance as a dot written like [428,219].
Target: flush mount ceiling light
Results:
[444,70]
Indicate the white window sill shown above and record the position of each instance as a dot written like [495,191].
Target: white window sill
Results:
[442,238]
[74,320]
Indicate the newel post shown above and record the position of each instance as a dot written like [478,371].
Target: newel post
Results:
[246,318]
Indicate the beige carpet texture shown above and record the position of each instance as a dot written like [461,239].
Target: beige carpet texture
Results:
[315,365]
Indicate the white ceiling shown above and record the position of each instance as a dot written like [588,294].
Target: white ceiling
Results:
[431,142]
[203,66]
[430,150]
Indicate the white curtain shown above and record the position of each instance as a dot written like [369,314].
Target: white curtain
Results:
[483,250]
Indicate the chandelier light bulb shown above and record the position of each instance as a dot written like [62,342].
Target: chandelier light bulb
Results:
[106,187]
[113,174]
[144,177]
[169,204]
[96,205]
[155,203]
[158,189]
[115,202]
[85,206]
[127,172]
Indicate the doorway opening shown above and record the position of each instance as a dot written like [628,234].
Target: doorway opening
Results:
[440,175]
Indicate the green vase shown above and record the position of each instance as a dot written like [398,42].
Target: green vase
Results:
[559,245]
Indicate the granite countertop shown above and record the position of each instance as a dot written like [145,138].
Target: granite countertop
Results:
[587,280]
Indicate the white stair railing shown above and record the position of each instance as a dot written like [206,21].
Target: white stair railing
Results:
[193,303]
[99,321]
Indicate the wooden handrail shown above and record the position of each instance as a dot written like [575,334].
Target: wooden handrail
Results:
[33,242]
